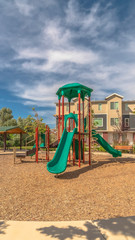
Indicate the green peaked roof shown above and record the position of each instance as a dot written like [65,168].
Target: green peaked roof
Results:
[71,91]
[11,129]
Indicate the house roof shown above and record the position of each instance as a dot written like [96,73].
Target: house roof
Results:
[11,129]
[114,94]
[129,101]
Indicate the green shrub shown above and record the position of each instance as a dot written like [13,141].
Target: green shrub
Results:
[100,149]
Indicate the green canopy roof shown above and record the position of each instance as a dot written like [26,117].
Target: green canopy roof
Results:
[71,91]
[11,129]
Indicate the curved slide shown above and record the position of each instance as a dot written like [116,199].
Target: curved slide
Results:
[59,162]
[106,145]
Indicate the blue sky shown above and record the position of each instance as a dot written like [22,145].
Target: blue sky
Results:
[45,44]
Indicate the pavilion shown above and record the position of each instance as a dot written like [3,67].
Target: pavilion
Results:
[11,130]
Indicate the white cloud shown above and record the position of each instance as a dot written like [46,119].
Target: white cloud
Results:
[41,94]
[89,46]
[54,60]
[23,7]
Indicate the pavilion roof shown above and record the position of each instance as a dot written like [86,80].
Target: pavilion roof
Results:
[11,129]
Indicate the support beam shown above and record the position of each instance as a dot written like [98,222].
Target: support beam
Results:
[69,131]
[58,120]
[83,135]
[62,113]
[89,113]
[5,138]
[20,141]
[48,142]
[37,144]
[79,120]
[73,142]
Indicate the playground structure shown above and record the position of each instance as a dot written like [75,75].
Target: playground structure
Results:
[73,135]
[59,163]
[41,141]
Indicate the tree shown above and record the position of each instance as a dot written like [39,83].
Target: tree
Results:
[118,127]
[39,121]
[6,117]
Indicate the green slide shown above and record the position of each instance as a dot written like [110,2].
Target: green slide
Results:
[106,145]
[59,162]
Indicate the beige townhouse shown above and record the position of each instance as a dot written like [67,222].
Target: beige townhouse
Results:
[113,118]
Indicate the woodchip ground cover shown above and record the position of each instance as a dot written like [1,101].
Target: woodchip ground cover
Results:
[29,192]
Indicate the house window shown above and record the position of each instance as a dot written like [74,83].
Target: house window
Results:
[98,122]
[114,121]
[126,106]
[100,106]
[126,122]
[114,105]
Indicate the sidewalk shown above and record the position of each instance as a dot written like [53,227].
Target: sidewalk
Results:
[112,229]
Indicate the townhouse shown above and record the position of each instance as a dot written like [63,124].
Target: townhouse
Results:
[113,118]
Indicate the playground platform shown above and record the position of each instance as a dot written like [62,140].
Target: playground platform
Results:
[112,229]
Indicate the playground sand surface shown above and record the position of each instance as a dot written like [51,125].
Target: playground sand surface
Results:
[29,192]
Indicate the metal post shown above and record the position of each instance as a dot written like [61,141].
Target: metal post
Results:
[69,131]
[89,133]
[83,134]
[48,142]
[20,141]
[79,113]
[73,143]
[62,113]
[37,144]
[5,138]
[59,122]
[46,139]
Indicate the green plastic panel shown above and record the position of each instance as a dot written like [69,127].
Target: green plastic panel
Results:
[59,162]
[106,145]
[71,91]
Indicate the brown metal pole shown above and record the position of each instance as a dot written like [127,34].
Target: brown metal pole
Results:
[5,138]
[20,141]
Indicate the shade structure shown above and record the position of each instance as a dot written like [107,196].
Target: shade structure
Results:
[71,91]
[11,129]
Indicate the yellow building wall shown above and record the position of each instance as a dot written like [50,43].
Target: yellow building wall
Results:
[96,110]
[113,113]
[66,111]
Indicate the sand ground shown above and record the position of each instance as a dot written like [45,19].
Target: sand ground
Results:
[105,190]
